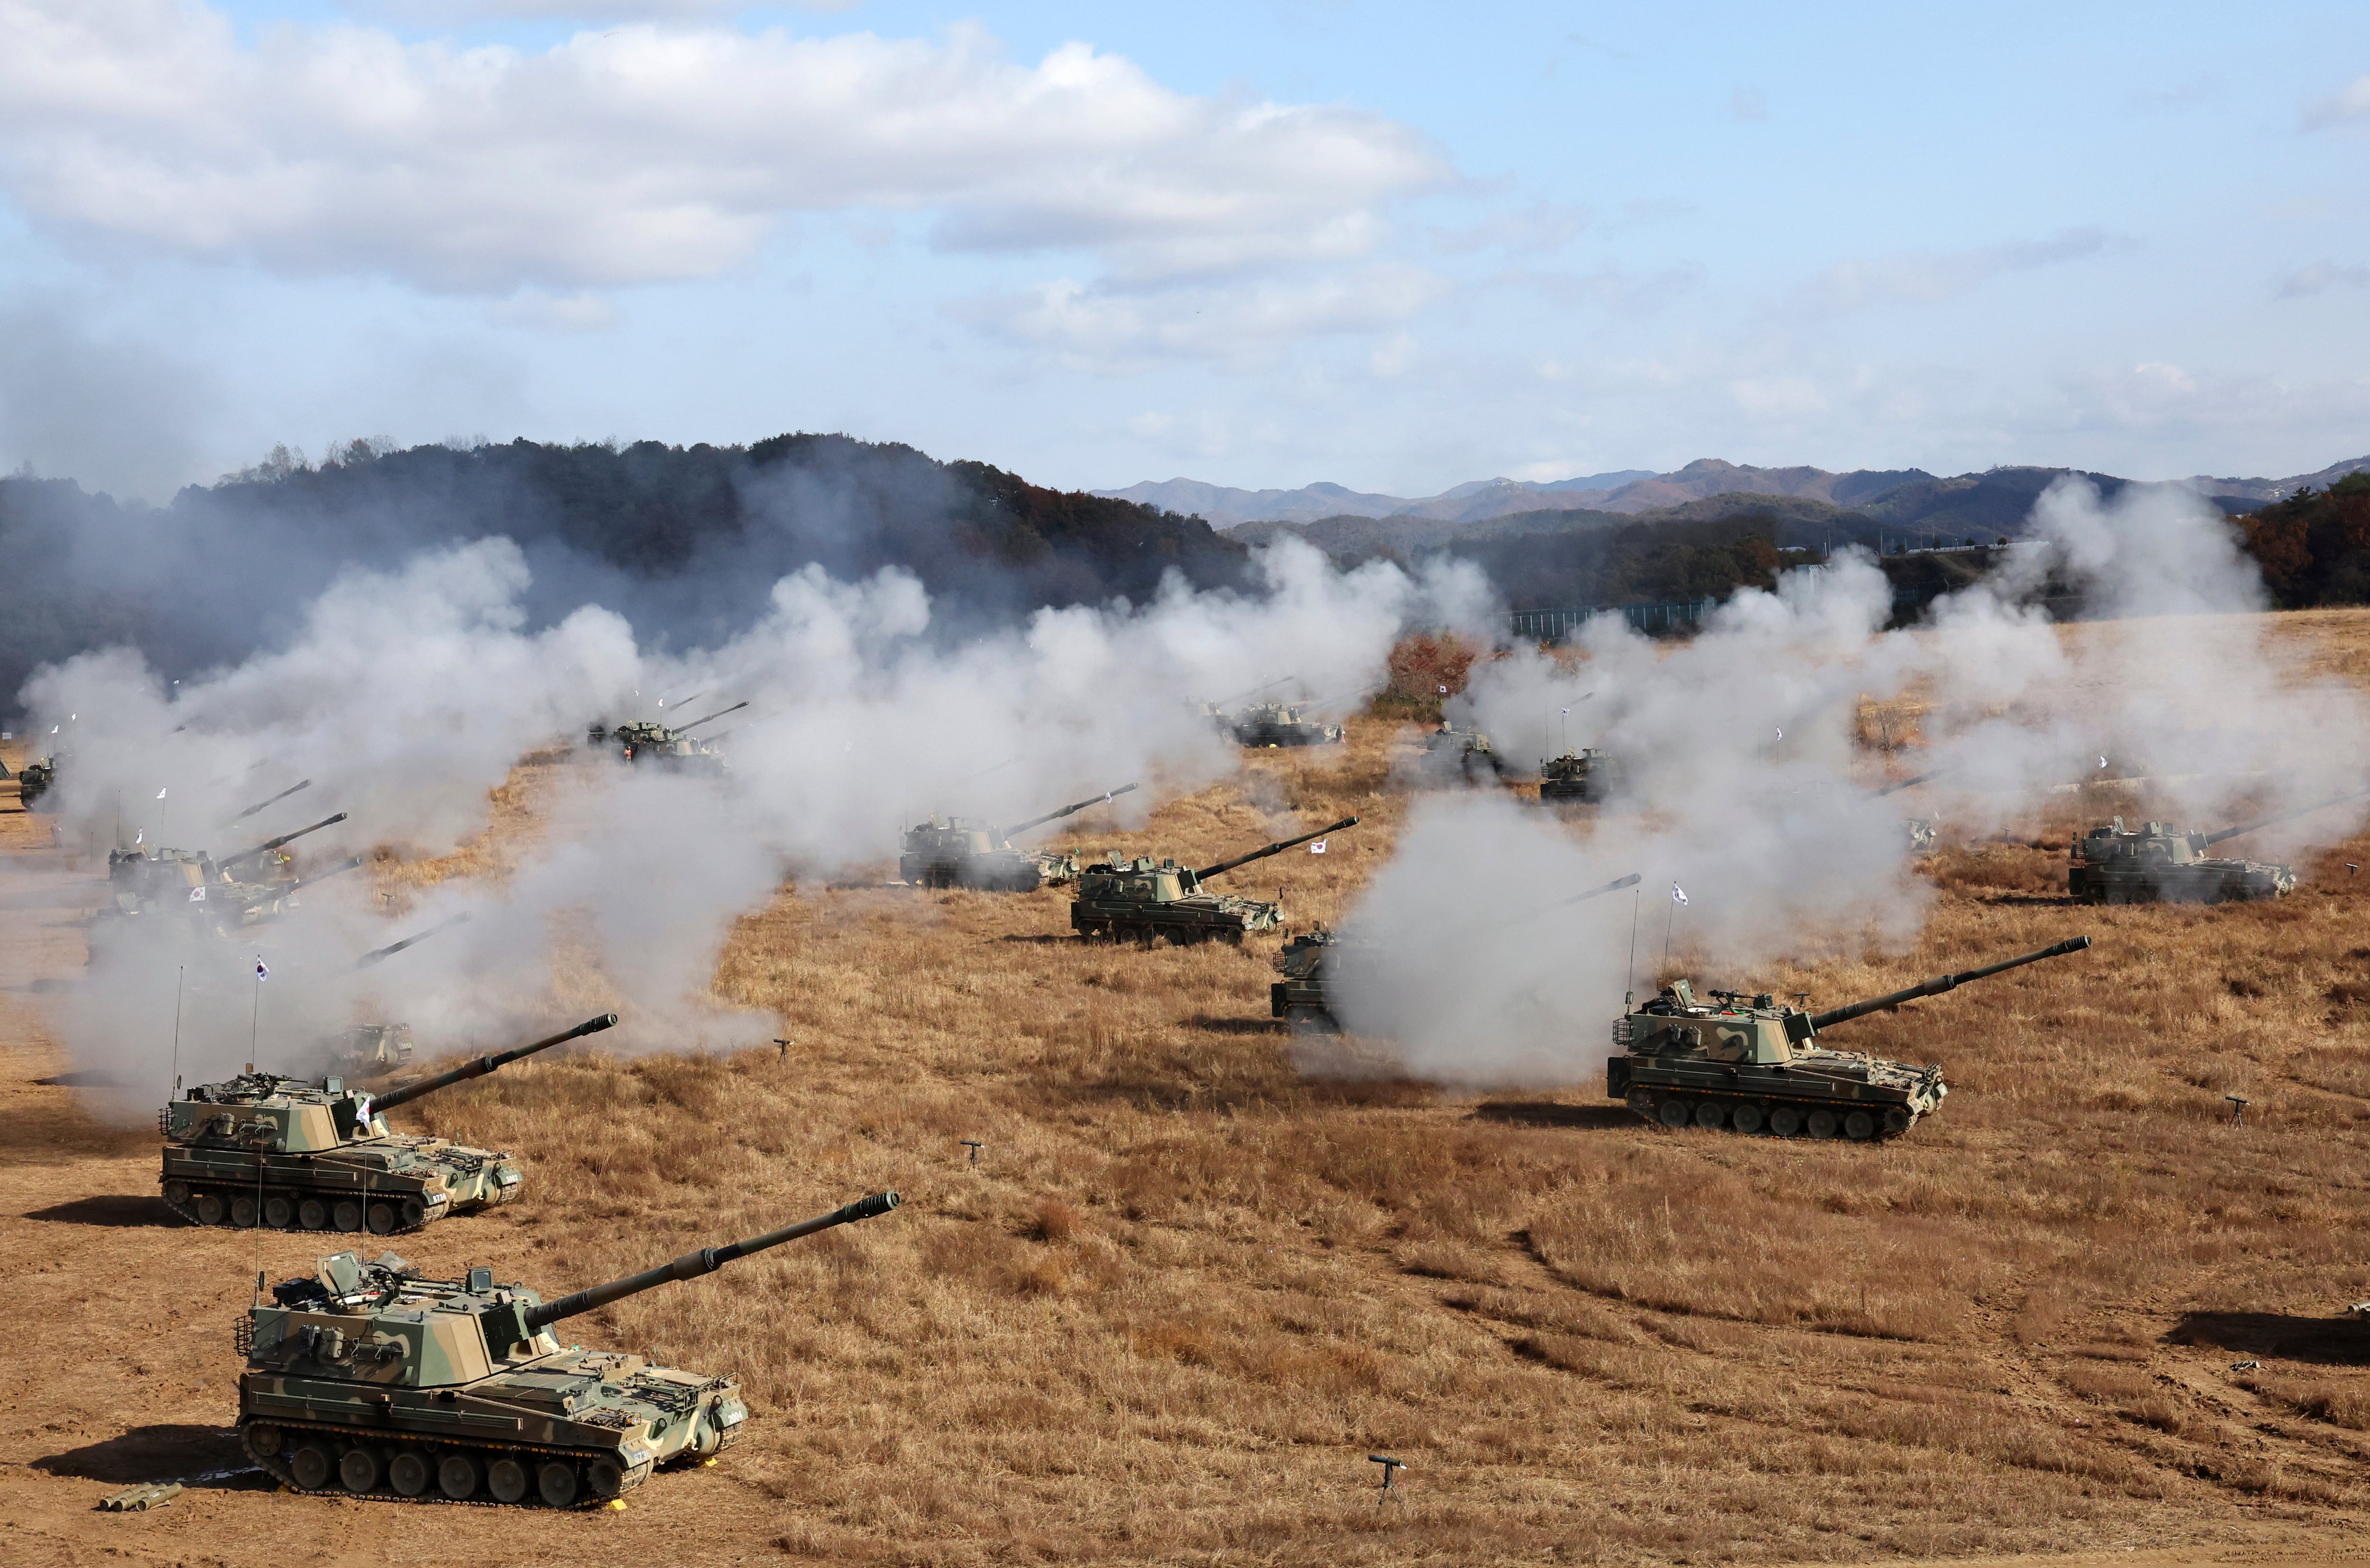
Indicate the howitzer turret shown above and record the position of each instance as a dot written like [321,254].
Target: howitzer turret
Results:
[1746,1065]
[2115,864]
[484,1064]
[1278,847]
[368,1380]
[289,1154]
[1140,900]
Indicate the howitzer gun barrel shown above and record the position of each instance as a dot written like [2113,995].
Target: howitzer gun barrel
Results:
[275,800]
[1066,811]
[484,1064]
[379,955]
[1616,885]
[1276,848]
[268,845]
[1941,982]
[1910,783]
[720,713]
[324,875]
[706,1261]
[2283,817]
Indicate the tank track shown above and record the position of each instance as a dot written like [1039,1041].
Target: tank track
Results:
[280,1466]
[1145,932]
[296,1196]
[1885,1122]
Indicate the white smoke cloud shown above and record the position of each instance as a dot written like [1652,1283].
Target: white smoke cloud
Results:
[406,695]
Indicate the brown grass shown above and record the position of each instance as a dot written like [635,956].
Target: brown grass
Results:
[1183,1292]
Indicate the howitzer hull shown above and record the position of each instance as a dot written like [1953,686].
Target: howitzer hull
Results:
[1263,732]
[574,1430]
[2197,881]
[389,1185]
[1001,871]
[1820,1094]
[1199,918]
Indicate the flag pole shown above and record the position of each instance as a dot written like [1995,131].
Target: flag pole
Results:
[256,1017]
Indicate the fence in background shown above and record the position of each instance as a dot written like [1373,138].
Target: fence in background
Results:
[1670,615]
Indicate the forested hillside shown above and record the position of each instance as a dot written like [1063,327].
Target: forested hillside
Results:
[685,541]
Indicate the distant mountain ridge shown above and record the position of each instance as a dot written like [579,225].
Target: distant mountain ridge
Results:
[1903,495]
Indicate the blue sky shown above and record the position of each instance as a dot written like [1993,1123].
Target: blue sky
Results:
[1394,246]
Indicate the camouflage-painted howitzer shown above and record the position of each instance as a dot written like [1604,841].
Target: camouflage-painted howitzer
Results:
[1138,900]
[1746,1065]
[292,1155]
[960,852]
[2114,864]
[367,1379]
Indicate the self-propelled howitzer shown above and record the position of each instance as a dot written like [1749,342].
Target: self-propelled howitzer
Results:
[1749,1066]
[296,1155]
[960,852]
[366,1379]
[2114,864]
[1141,900]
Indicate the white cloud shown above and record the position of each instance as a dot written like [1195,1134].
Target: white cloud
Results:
[455,11]
[2339,108]
[1931,278]
[651,152]
[583,311]
[1108,329]
[2318,277]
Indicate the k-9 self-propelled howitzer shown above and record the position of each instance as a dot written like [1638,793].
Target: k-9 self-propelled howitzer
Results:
[367,1379]
[1140,900]
[962,852]
[647,740]
[292,1155]
[221,895]
[2114,864]
[1749,1066]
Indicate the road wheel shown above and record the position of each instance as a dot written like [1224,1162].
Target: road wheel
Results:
[556,1483]
[1711,1114]
[1859,1126]
[347,1216]
[177,1193]
[313,1214]
[1823,1124]
[1896,1120]
[262,1439]
[603,1478]
[507,1479]
[415,1214]
[382,1219]
[1674,1113]
[407,1474]
[1745,1118]
[210,1208]
[279,1211]
[242,1211]
[359,1470]
[457,1476]
[1785,1121]
[311,1466]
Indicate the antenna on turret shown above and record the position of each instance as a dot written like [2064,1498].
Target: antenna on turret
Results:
[1630,977]
[179,975]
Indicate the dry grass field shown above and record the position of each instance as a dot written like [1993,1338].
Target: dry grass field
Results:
[1182,1292]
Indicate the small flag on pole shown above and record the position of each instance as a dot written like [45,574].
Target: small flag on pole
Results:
[160,794]
[261,974]
[1318,847]
[1678,893]
[2102,761]
[1443,691]
[197,895]
[1781,732]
